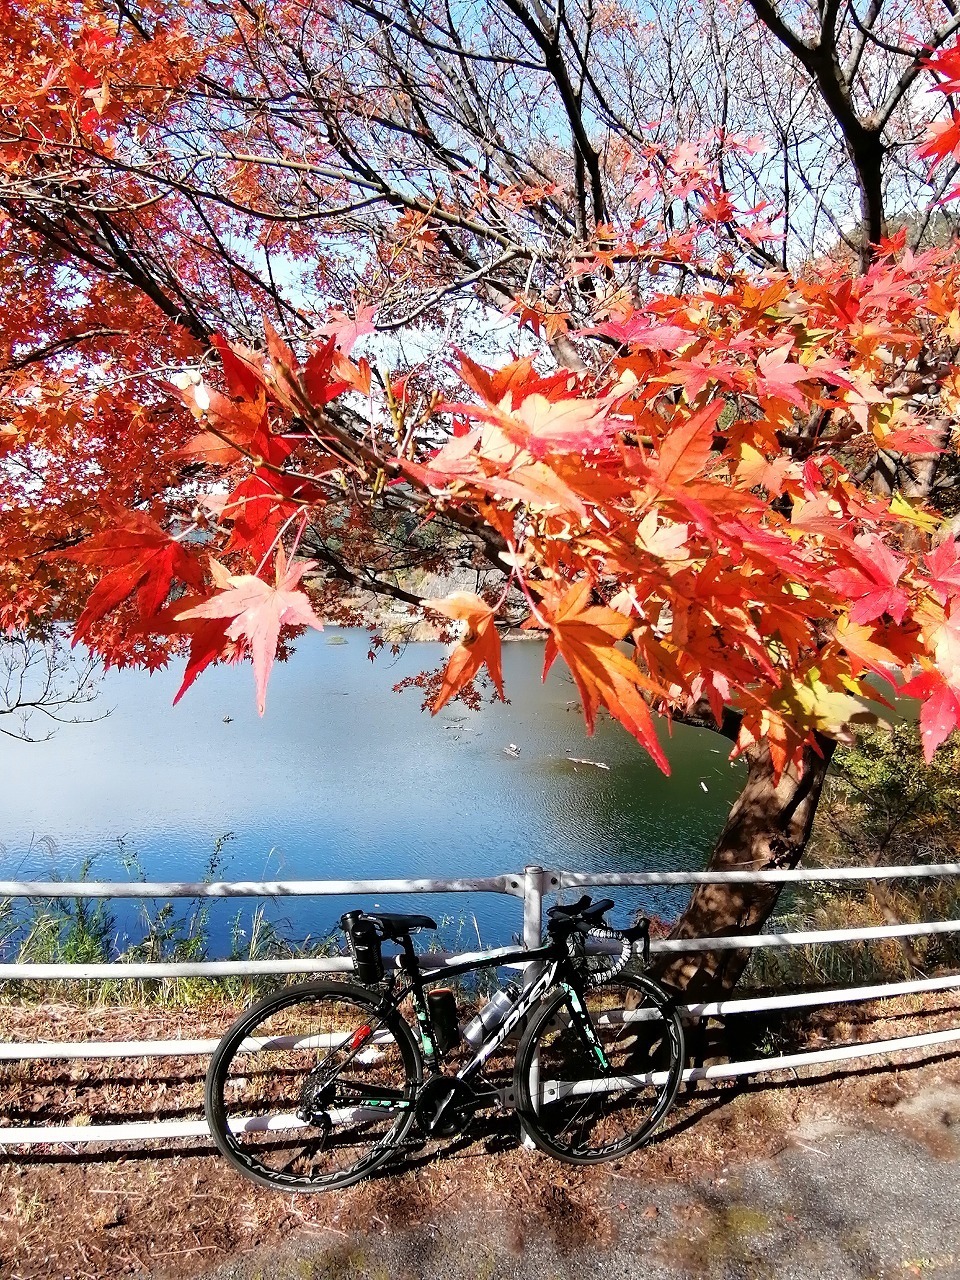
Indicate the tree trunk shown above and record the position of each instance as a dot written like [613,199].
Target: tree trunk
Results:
[768,828]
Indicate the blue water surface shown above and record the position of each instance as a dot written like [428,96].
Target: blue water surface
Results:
[343,778]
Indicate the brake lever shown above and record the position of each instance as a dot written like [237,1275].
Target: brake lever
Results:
[640,932]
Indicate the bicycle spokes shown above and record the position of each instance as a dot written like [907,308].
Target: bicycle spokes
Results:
[316,1088]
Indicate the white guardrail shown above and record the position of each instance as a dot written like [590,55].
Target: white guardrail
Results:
[530,886]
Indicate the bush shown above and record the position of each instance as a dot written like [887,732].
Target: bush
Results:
[882,806]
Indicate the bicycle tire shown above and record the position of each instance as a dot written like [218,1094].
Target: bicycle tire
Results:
[555,1067]
[265,1060]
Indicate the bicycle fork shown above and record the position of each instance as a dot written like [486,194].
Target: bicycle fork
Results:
[582,1019]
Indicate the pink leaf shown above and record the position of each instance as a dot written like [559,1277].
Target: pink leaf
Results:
[345,331]
[258,612]
[944,565]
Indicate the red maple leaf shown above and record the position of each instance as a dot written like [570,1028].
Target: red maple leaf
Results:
[913,436]
[257,511]
[509,386]
[244,377]
[236,425]
[942,140]
[208,639]
[639,332]
[946,62]
[717,206]
[872,583]
[258,611]
[318,374]
[143,559]
[940,713]
[697,373]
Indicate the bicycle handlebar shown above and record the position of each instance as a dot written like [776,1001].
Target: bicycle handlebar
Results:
[585,914]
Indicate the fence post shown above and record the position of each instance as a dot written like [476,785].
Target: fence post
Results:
[532,906]
[532,937]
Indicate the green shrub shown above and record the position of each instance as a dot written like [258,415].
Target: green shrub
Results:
[882,806]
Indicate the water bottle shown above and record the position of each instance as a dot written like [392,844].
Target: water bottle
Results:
[491,1017]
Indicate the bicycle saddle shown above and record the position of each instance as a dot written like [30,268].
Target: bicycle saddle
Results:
[394,924]
[583,911]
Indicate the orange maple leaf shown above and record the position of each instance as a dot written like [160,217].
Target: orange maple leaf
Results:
[586,637]
[685,448]
[478,647]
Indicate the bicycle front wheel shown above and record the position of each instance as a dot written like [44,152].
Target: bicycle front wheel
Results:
[572,1108]
[313,1087]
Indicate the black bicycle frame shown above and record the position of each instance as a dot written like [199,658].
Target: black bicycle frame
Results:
[558,971]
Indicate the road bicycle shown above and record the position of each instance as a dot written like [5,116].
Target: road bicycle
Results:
[319,1084]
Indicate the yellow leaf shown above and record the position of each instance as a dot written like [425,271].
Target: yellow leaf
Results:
[916,516]
[812,703]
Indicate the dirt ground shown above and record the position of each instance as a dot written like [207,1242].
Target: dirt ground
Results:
[177,1210]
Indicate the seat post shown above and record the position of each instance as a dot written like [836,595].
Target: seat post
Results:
[411,962]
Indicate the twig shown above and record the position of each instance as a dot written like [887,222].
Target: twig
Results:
[110,1191]
[321,1226]
[199,1248]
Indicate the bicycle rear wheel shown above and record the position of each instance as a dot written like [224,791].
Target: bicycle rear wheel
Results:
[570,1107]
[313,1087]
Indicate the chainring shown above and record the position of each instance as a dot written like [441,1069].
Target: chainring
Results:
[445,1106]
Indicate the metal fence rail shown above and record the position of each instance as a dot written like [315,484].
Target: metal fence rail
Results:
[530,886]
[509,884]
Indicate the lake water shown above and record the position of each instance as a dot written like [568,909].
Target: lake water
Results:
[343,778]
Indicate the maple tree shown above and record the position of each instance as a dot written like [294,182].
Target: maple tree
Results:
[712,470]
